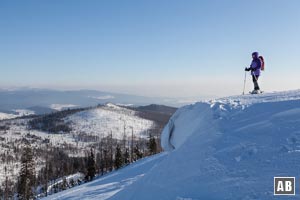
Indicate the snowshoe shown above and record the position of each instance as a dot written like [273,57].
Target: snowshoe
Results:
[256,92]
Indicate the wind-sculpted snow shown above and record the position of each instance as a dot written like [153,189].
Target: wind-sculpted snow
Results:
[219,108]
[229,148]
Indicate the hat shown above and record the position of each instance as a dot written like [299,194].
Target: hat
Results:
[255,54]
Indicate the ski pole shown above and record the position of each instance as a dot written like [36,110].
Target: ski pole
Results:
[244,82]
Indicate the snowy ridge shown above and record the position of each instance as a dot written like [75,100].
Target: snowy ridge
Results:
[17,113]
[6,116]
[218,108]
[60,107]
[247,100]
[228,148]
[110,119]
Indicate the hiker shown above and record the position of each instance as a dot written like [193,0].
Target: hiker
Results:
[255,68]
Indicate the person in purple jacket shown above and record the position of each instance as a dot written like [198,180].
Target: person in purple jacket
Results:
[255,71]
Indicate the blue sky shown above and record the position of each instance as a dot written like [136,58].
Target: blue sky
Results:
[154,48]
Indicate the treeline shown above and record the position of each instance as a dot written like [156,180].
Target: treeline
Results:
[157,113]
[54,122]
[4,128]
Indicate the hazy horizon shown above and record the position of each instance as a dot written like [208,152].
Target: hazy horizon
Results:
[25,88]
[149,48]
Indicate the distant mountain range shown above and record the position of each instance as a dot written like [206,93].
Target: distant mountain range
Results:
[45,100]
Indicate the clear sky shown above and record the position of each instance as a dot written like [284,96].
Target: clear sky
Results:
[170,48]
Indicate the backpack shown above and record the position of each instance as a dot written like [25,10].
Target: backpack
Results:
[262,63]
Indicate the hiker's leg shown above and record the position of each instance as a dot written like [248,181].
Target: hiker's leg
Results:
[255,81]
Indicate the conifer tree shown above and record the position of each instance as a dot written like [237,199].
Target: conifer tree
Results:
[91,167]
[152,145]
[118,158]
[27,175]
[126,157]
[137,152]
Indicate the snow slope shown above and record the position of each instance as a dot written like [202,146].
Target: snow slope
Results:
[60,107]
[108,119]
[110,184]
[228,148]
[6,116]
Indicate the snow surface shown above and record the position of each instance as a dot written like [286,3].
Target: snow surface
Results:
[228,148]
[23,112]
[103,97]
[110,184]
[110,119]
[75,177]
[6,116]
[17,113]
[60,107]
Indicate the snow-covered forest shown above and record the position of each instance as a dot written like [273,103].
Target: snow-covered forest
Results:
[67,145]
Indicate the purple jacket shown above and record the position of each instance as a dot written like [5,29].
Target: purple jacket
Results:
[255,66]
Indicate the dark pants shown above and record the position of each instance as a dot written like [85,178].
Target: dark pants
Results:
[255,79]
